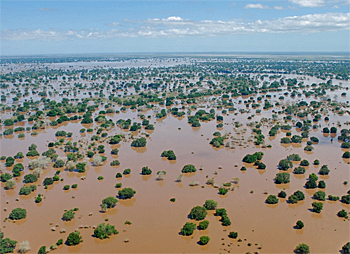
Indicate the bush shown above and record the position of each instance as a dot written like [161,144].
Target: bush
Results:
[74,238]
[58,164]
[118,185]
[296,139]
[25,190]
[140,142]
[316,162]
[249,158]
[299,224]
[110,201]
[115,163]
[188,228]
[48,181]
[321,184]
[189,168]
[346,155]
[302,248]
[225,221]
[118,175]
[314,139]
[126,193]
[223,191]
[5,177]
[346,248]
[286,140]
[69,215]
[325,130]
[18,214]
[204,240]
[304,163]
[285,164]
[333,198]
[345,145]
[104,231]
[210,204]
[127,171]
[32,153]
[146,171]
[282,178]
[345,199]
[42,250]
[114,151]
[170,155]
[299,170]
[66,187]
[317,207]
[311,184]
[203,225]
[343,214]
[221,212]
[282,194]
[320,195]
[9,161]
[233,234]
[198,213]
[294,157]
[272,199]
[324,170]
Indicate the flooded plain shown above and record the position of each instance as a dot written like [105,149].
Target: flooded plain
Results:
[156,222]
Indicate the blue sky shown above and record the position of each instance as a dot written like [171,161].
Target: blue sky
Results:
[68,27]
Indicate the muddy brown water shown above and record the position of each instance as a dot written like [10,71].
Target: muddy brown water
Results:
[156,222]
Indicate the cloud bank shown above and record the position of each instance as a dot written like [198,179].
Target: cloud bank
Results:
[173,27]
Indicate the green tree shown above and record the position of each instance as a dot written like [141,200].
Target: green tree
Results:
[302,248]
[210,204]
[25,190]
[343,214]
[126,193]
[317,207]
[198,213]
[170,155]
[146,171]
[74,238]
[282,178]
[189,168]
[203,225]
[299,224]
[324,170]
[18,214]
[42,250]
[104,231]
[320,195]
[6,244]
[346,248]
[69,215]
[30,178]
[188,228]
[272,199]
[204,240]
[110,201]
[233,234]
[140,142]
[285,164]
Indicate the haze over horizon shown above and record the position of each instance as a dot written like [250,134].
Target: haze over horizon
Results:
[86,27]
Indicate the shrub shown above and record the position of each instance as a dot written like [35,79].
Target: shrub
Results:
[9,161]
[272,199]
[282,178]
[188,228]
[118,175]
[170,155]
[325,130]
[345,199]
[286,140]
[74,238]
[345,145]
[333,198]
[204,240]
[294,157]
[126,193]
[146,171]
[343,214]
[48,181]
[317,207]
[304,163]
[296,139]
[299,224]
[221,212]
[189,168]
[25,190]
[66,187]
[210,204]
[42,250]
[110,201]
[23,247]
[233,234]
[346,248]
[324,170]
[118,185]
[302,248]
[249,158]
[316,162]
[320,195]
[104,231]
[285,164]
[80,167]
[5,177]
[203,225]
[321,184]
[127,171]
[346,155]
[225,221]
[115,163]
[198,213]
[223,191]
[314,139]
[114,151]
[299,170]
[18,214]
[69,215]
[311,184]
[58,164]
[10,184]
[140,142]
[282,194]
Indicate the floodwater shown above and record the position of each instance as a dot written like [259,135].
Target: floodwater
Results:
[156,222]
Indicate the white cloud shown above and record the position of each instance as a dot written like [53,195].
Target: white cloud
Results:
[174,27]
[255,6]
[113,24]
[278,7]
[308,3]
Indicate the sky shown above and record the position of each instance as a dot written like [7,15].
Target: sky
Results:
[83,27]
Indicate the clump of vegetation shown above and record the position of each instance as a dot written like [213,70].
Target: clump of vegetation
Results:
[188,228]
[74,238]
[189,168]
[126,193]
[204,240]
[170,155]
[272,199]
[18,214]
[103,231]
[198,213]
